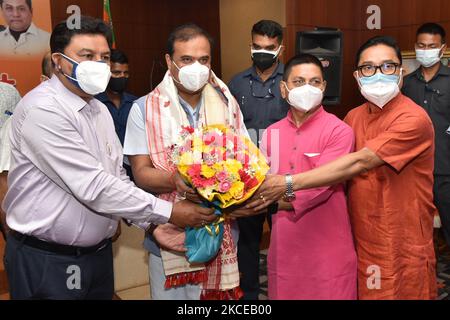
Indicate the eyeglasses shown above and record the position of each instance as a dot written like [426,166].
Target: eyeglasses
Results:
[262,91]
[386,68]
[313,82]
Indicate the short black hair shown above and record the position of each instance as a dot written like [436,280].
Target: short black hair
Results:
[118,56]
[302,58]
[185,33]
[47,65]
[268,28]
[62,35]
[28,2]
[432,28]
[375,41]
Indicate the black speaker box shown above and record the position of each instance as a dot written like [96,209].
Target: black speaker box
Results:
[327,45]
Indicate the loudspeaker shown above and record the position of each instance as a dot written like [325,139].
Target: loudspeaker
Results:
[327,45]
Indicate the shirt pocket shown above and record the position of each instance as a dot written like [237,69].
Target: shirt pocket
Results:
[311,159]
[441,103]
[112,154]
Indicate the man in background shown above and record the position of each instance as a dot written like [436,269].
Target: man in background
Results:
[21,37]
[257,91]
[429,87]
[117,99]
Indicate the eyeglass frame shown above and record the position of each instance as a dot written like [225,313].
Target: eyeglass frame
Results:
[319,84]
[397,65]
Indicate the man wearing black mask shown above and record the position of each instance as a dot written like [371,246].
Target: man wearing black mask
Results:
[118,101]
[257,90]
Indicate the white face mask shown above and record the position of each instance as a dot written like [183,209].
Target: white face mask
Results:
[380,88]
[193,77]
[304,98]
[90,76]
[428,58]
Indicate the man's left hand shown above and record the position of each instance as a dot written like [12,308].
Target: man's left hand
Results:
[272,189]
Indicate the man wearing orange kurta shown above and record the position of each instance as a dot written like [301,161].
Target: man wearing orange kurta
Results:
[391,186]
[391,206]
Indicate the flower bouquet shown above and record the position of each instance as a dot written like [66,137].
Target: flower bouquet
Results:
[225,169]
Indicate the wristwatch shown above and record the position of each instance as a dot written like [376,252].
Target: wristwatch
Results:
[289,194]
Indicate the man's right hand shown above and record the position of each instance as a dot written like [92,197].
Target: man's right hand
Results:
[184,191]
[186,213]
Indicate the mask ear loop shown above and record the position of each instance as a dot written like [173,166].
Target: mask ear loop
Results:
[177,81]
[442,54]
[71,60]
[289,91]
[275,55]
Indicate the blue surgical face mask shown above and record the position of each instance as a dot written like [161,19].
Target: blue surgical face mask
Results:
[380,88]
[379,77]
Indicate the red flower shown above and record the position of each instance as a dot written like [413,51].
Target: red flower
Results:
[189,129]
[210,141]
[195,170]
[200,182]
[244,176]
[197,182]
[253,182]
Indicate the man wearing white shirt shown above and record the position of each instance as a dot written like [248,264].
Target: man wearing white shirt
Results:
[21,37]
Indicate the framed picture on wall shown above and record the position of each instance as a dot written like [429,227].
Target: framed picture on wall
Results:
[410,63]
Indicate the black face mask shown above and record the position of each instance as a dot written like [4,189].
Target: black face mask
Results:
[118,85]
[264,61]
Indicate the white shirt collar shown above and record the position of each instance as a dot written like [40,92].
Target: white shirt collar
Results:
[32,29]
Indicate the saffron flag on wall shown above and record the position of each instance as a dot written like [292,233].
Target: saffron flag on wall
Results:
[108,20]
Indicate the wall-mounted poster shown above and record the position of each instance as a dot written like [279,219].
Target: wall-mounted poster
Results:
[25,27]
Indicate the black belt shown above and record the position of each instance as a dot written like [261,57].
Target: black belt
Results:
[58,248]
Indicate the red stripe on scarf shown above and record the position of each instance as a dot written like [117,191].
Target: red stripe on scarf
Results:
[182,279]
[232,294]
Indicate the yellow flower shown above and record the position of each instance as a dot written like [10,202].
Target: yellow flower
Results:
[183,169]
[197,144]
[207,149]
[237,190]
[186,159]
[207,171]
[233,166]
[217,167]
[225,197]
